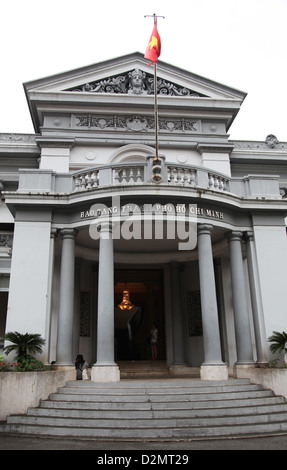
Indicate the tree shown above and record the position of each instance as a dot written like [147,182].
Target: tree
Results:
[279,341]
[24,344]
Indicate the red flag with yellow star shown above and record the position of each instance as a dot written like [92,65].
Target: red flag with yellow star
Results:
[154,46]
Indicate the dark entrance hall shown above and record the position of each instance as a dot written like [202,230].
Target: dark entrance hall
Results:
[132,326]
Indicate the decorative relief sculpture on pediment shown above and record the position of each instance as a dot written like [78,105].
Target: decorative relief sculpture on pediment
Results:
[135,82]
[135,123]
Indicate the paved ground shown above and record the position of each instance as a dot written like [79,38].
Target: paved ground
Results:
[250,443]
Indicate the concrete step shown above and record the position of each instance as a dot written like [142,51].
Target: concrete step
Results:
[136,423]
[162,406]
[154,391]
[155,409]
[151,434]
[151,413]
[160,398]
[143,369]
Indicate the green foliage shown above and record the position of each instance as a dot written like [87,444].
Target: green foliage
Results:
[29,363]
[26,364]
[279,341]
[23,344]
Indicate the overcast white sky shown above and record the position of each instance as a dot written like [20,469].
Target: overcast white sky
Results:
[240,43]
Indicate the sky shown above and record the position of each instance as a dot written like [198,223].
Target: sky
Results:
[238,43]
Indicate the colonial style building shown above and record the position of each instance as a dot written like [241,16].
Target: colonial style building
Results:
[90,221]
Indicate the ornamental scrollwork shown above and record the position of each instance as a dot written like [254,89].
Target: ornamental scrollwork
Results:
[134,123]
[135,82]
[6,240]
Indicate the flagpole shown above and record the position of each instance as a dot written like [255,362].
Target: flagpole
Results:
[156,113]
[155,97]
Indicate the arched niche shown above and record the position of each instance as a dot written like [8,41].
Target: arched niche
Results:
[131,153]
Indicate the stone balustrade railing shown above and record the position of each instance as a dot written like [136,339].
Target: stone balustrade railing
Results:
[137,173]
[128,174]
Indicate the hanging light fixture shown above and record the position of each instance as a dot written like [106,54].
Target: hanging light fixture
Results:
[126,303]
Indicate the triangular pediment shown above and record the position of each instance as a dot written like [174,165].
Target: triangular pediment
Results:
[128,81]
[114,76]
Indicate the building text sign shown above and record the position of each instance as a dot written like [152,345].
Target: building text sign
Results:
[101,210]
[147,221]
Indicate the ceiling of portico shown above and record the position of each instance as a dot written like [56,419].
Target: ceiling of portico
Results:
[148,251]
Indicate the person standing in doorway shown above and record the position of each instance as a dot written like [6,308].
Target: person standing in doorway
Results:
[154,342]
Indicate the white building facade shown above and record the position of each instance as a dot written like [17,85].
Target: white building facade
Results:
[201,249]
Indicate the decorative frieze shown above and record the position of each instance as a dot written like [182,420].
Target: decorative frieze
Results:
[135,82]
[271,143]
[18,138]
[6,244]
[134,123]
[6,240]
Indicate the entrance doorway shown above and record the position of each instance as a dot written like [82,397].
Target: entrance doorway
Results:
[132,326]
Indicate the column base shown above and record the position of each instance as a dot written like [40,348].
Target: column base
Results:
[214,372]
[105,374]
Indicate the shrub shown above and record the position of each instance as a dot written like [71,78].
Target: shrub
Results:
[23,344]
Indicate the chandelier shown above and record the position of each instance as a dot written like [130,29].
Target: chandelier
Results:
[125,303]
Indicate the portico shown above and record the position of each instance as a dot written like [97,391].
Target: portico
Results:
[104,255]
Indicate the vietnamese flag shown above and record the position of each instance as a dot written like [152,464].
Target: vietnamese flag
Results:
[154,46]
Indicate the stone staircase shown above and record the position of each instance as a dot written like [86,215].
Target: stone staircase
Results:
[155,369]
[159,409]
[143,369]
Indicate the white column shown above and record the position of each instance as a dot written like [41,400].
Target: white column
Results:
[213,367]
[54,233]
[256,300]
[105,369]
[240,307]
[66,301]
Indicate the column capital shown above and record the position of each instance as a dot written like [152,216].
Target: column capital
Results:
[236,235]
[54,233]
[105,228]
[204,228]
[68,233]
[248,236]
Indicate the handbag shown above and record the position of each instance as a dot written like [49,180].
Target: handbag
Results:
[85,375]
